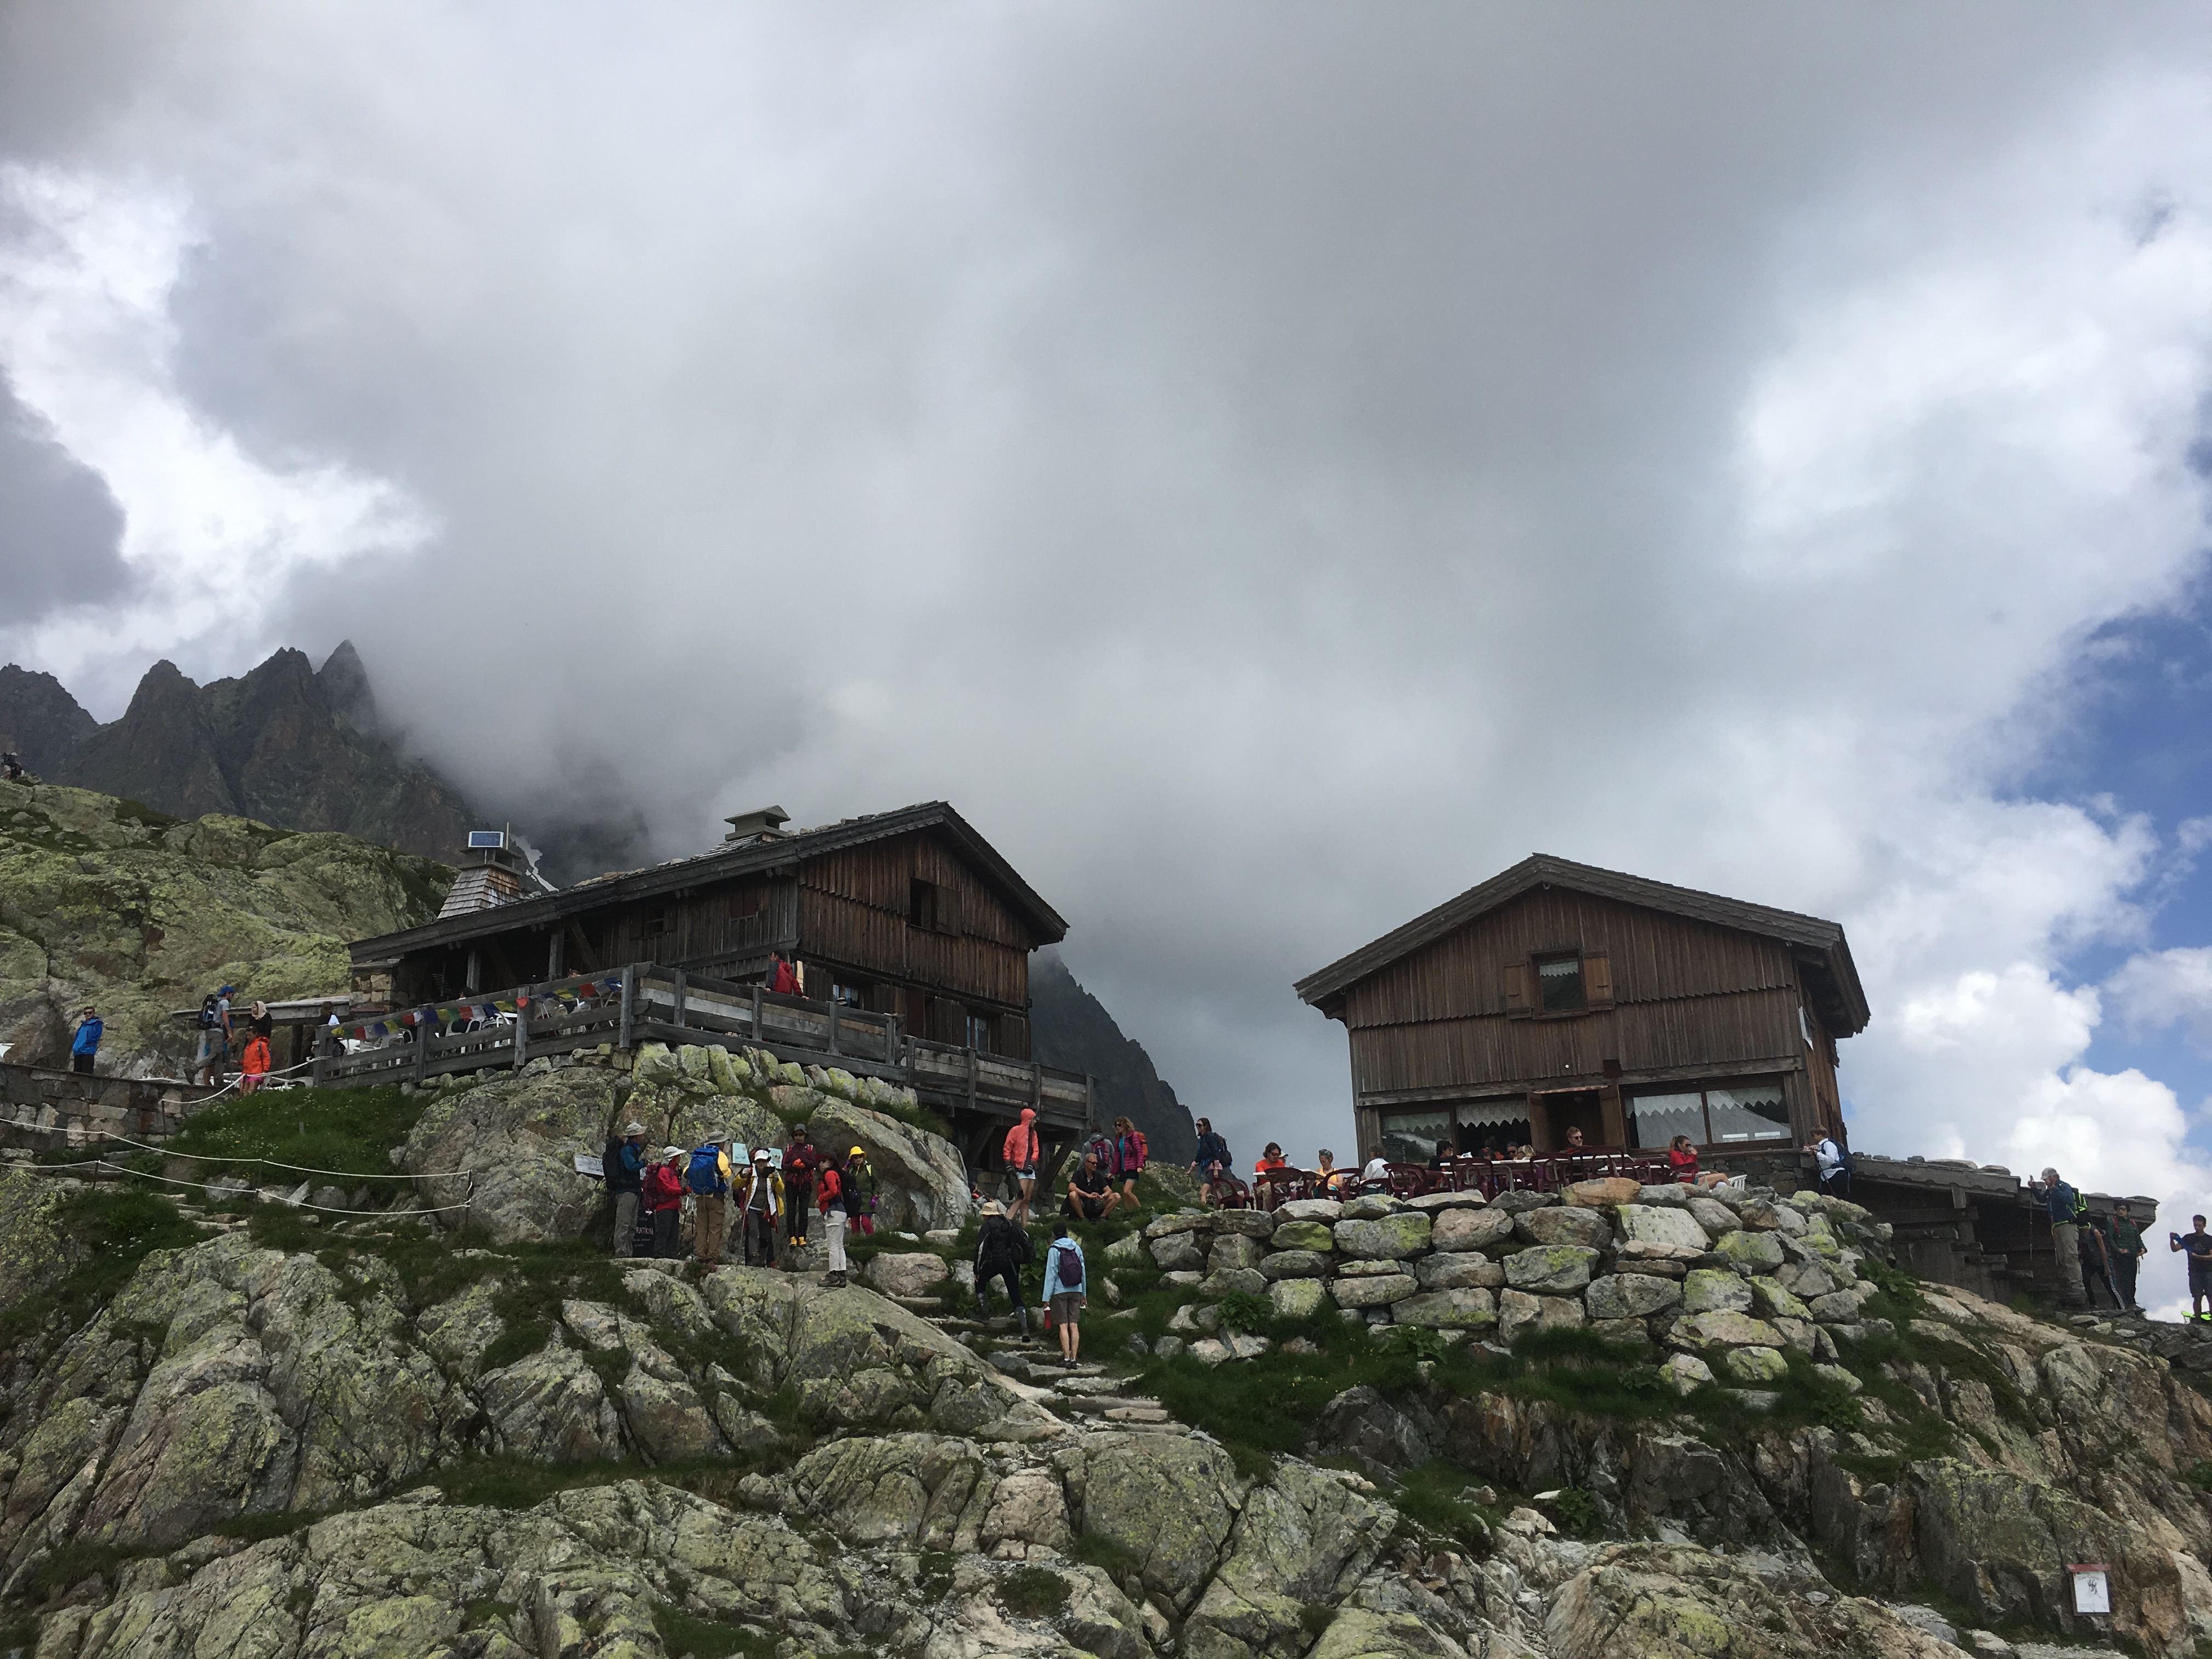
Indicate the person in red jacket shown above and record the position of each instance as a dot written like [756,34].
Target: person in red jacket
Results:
[780,978]
[664,1200]
[830,1193]
[1024,1149]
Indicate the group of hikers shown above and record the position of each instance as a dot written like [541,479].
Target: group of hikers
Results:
[2103,1252]
[770,1195]
[220,1029]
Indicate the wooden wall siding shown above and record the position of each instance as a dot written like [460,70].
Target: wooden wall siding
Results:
[697,929]
[1715,1031]
[880,875]
[870,940]
[1652,957]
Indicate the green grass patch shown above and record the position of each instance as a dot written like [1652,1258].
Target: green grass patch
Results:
[110,1230]
[683,1633]
[349,1131]
[1433,1496]
[1033,1592]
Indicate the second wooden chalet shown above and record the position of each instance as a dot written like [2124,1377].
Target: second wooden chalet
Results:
[1558,996]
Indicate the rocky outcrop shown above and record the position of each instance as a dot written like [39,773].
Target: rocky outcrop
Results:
[506,1143]
[104,903]
[1070,1028]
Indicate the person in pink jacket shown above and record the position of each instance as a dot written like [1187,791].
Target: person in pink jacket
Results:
[1024,1148]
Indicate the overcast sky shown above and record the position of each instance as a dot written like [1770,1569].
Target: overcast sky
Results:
[1270,466]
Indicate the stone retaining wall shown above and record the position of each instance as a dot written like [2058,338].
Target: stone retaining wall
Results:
[1725,1280]
[45,1108]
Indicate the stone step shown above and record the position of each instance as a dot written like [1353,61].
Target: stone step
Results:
[1137,1414]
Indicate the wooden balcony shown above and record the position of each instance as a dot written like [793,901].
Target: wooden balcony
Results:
[646,1003]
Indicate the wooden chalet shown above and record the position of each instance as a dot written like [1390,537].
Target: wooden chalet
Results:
[1558,996]
[911,936]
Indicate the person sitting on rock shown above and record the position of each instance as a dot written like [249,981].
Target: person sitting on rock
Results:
[664,1200]
[1001,1251]
[1090,1194]
[763,1211]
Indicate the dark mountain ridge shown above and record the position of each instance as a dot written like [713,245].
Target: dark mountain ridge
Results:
[1071,1029]
[285,743]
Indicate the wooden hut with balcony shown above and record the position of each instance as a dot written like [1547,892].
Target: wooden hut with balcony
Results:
[1558,996]
[909,933]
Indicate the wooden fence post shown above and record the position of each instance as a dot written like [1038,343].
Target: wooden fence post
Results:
[833,1021]
[521,1027]
[628,1003]
[683,984]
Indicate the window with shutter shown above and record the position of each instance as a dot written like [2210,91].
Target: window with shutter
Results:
[1515,979]
[1598,981]
[1559,984]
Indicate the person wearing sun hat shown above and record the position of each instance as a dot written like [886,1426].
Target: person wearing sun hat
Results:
[664,1200]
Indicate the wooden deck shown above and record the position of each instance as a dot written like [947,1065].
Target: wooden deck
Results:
[646,1003]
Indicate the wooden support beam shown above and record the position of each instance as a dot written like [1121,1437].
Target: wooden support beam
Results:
[683,985]
[629,1004]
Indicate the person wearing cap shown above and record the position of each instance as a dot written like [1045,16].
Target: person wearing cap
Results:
[215,1038]
[860,1191]
[762,1211]
[664,1200]
[709,1179]
[622,1163]
[1000,1250]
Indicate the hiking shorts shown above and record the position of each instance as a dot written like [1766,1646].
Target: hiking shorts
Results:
[1067,1309]
[1025,1173]
[2200,1276]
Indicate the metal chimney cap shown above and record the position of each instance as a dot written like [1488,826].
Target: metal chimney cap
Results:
[764,821]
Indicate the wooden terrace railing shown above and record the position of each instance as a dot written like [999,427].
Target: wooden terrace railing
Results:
[644,1002]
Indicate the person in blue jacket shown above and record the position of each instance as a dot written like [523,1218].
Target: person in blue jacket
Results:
[84,1048]
[1064,1291]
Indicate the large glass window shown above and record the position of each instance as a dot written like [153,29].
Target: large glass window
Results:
[1414,1137]
[1559,984]
[1710,1117]
[1654,1120]
[1754,1112]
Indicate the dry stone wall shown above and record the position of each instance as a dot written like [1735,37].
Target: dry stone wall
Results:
[1725,1281]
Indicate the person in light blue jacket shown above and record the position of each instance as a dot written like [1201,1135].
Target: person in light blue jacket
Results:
[1064,1291]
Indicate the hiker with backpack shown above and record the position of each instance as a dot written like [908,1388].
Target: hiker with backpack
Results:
[1131,1154]
[1212,1159]
[800,1161]
[1063,1286]
[1023,1150]
[761,1213]
[1831,1164]
[623,1166]
[708,1178]
[859,1192]
[830,1187]
[1001,1252]
[2065,1208]
[215,1038]
[664,1200]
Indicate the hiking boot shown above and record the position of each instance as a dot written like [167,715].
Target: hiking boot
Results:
[833,1281]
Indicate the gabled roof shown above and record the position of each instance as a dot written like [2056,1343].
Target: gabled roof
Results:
[769,853]
[1818,945]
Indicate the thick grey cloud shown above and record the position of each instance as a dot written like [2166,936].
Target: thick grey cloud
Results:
[58,525]
[1271,466]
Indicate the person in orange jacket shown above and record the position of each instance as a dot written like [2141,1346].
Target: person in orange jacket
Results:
[256,1064]
[1024,1149]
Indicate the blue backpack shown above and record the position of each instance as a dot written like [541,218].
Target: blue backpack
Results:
[705,1175]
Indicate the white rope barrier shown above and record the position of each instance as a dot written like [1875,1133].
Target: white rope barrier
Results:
[201,1186]
[277,1164]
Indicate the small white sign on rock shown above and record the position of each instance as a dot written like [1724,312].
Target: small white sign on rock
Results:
[2093,1587]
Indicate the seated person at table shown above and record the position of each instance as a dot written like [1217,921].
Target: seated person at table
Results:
[1682,1158]
[1329,1180]
[1375,1177]
[1270,1162]
[1090,1194]
[1574,1142]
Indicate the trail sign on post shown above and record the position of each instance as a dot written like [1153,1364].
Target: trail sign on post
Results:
[2092,1587]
